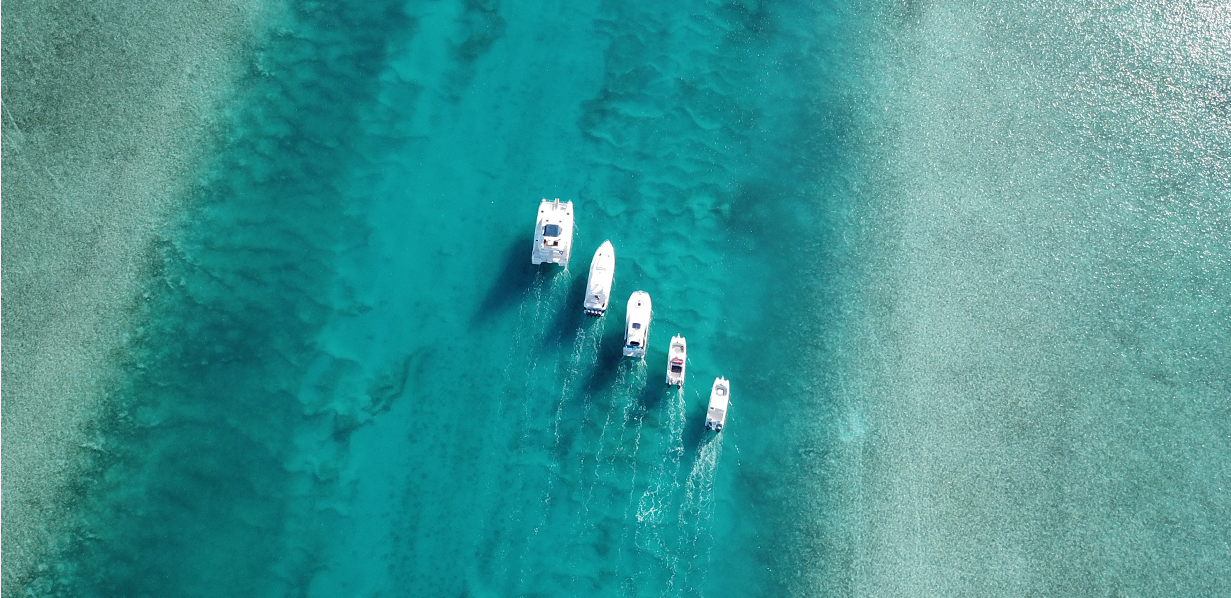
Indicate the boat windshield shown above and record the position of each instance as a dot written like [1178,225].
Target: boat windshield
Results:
[636,325]
[720,391]
[551,230]
[677,369]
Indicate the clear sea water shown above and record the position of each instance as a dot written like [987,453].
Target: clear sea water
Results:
[967,266]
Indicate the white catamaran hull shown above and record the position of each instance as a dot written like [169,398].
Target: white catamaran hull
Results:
[553,233]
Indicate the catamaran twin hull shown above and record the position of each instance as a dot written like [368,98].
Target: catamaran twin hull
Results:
[553,233]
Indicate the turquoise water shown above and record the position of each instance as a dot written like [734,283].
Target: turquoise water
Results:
[965,267]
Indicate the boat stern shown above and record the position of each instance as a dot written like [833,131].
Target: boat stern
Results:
[675,377]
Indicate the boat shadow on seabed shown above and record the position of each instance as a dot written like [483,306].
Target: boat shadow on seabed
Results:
[696,436]
[570,317]
[655,391]
[607,364]
[516,277]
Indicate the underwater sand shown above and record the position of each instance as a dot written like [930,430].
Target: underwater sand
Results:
[965,268]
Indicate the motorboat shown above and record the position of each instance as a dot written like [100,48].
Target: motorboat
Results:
[637,324]
[677,360]
[720,399]
[553,233]
[602,272]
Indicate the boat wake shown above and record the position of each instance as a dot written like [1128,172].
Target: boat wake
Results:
[523,380]
[631,375]
[584,352]
[634,419]
[651,509]
[581,361]
[653,536]
[697,514]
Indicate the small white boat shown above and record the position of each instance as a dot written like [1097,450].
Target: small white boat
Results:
[720,399]
[637,324]
[602,272]
[553,233]
[677,360]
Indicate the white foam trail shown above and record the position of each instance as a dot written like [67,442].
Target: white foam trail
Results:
[582,353]
[631,388]
[515,381]
[630,374]
[589,485]
[631,403]
[544,294]
[660,492]
[590,356]
[574,368]
[697,511]
[630,379]
[651,507]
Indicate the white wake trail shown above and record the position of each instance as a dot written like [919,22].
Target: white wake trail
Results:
[697,511]
[661,490]
[533,325]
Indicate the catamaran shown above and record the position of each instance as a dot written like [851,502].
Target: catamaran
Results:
[637,324]
[720,399]
[602,272]
[553,233]
[677,360]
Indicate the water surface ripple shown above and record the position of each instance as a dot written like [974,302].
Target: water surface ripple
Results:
[965,265]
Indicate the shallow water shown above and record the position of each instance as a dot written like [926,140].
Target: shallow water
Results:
[965,269]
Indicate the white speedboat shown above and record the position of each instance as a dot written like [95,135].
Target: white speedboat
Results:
[553,233]
[637,324]
[677,360]
[720,399]
[602,272]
